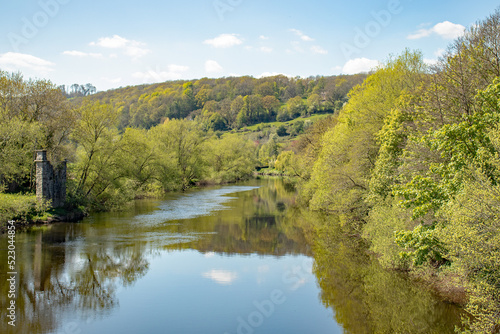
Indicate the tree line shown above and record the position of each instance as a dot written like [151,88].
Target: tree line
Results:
[228,103]
[108,166]
[412,163]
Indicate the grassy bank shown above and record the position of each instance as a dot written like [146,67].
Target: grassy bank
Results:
[24,209]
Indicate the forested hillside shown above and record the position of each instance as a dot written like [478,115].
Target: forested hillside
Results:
[228,103]
[144,140]
[412,163]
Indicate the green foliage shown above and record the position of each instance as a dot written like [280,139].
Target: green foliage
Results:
[381,224]
[229,158]
[33,115]
[237,102]
[18,138]
[20,208]
[281,131]
[421,244]
[340,177]
[413,160]
[269,151]
[180,145]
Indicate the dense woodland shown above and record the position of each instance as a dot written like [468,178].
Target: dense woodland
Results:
[412,163]
[145,140]
[229,103]
[410,159]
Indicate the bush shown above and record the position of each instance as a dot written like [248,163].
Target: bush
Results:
[20,208]
[281,131]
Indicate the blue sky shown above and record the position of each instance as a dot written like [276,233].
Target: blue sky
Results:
[112,43]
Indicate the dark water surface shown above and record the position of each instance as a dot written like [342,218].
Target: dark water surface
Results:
[229,259]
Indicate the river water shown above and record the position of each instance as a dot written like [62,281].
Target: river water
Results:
[230,259]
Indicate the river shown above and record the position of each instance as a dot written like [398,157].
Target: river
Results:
[223,260]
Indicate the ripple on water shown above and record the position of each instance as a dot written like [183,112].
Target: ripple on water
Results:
[188,206]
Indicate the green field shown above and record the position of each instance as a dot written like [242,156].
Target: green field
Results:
[260,126]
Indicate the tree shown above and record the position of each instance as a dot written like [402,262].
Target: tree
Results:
[281,131]
[340,177]
[181,141]
[230,158]
[98,143]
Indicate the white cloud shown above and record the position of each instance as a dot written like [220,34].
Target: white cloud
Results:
[223,277]
[266,49]
[224,41]
[359,65]
[318,50]
[115,42]
[12,61]
[439,52]
[131,48]
[433,61]
[264,38]
[296,47]
[446,29]
[173,72]
[211,66]
[136,51]
[75,53]
[302,36]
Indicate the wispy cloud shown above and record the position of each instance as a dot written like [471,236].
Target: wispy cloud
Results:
[13,61]
[173,72]
[359,65]
[318,50]
[211,66]
[129,47]
[264,38]
[433,61]
[302,36]
[446,29]
[224,41]
[296,47]
[266,49]
[75,53]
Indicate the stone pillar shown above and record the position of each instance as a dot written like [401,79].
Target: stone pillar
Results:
[44,176]
[60,185]
[50,181]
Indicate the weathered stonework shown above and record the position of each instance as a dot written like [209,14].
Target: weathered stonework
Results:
[50,181]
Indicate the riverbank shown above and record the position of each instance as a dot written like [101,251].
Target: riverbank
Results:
[26,211]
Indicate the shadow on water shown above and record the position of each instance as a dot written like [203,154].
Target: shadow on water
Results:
[80,268]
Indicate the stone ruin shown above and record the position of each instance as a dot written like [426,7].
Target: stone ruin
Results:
[50,181]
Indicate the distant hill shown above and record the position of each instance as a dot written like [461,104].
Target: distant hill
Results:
[228,103]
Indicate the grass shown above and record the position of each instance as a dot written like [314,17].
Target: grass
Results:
[260,126]
[21,207]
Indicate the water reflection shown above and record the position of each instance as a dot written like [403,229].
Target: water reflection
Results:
[366,298]
[247,242]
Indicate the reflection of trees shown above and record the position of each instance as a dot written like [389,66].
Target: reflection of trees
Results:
[366,298]
[95,281]
[256,224]
[55,277]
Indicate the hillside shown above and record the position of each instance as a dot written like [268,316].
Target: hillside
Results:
[228,103]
